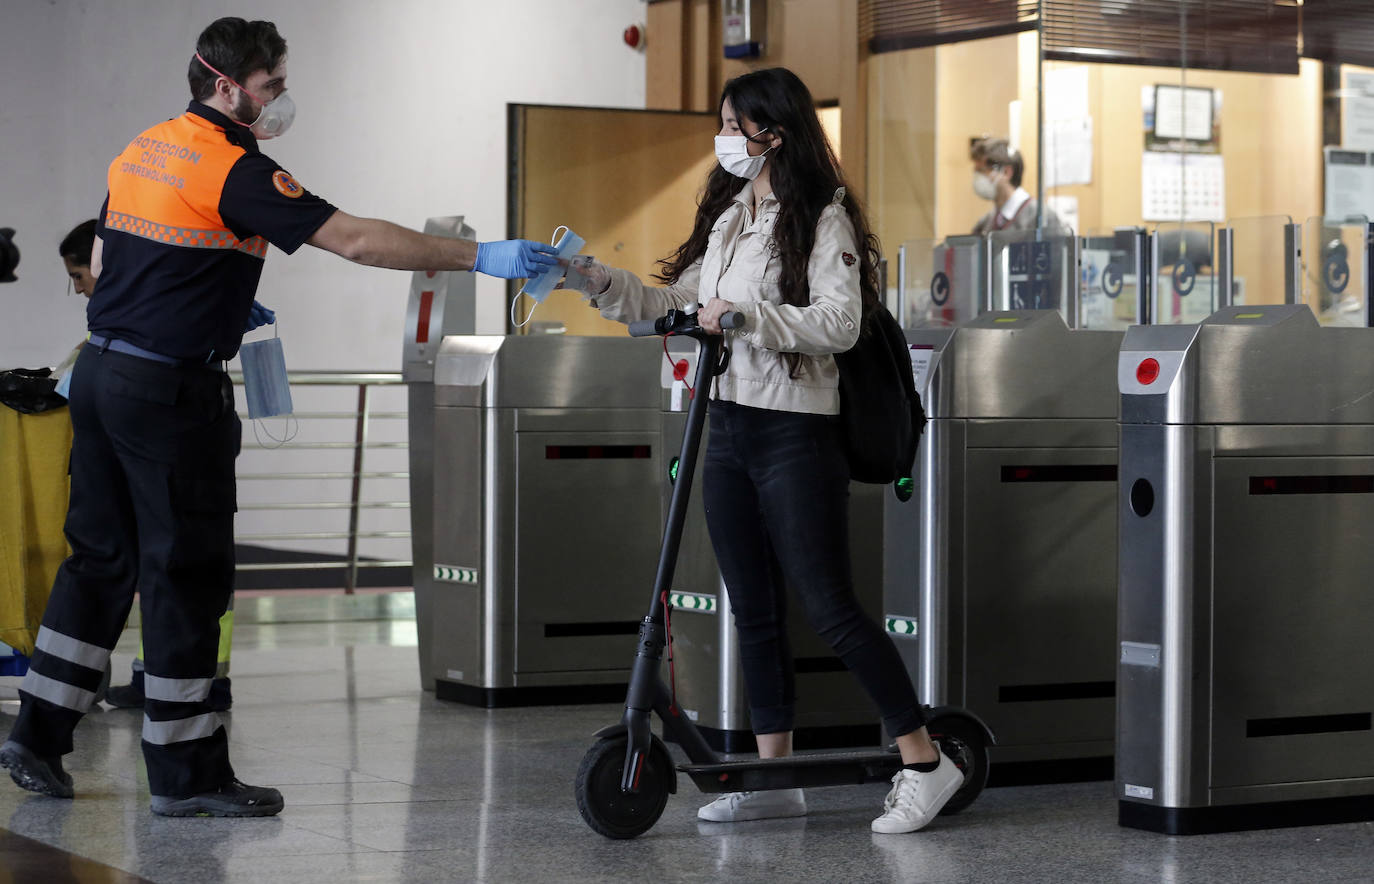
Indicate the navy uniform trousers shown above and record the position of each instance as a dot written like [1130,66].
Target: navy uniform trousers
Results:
[152,509]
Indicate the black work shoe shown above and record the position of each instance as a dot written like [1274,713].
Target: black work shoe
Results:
[29,771]
[231,799]
[124,696]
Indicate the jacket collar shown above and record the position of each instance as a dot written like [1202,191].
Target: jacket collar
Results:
[745,197]
[234,132]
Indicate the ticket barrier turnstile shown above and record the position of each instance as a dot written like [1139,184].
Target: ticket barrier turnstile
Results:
[1246,674]
[1012,608]
[546,515]
[441,303]
[832,711]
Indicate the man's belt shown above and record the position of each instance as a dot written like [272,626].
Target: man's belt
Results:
[104,343]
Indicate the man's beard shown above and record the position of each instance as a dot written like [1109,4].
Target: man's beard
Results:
[245,111]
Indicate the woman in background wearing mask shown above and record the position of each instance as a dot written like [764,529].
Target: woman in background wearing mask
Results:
[997,170]
[778,238]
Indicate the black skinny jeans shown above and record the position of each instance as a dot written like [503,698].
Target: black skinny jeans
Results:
[776,489]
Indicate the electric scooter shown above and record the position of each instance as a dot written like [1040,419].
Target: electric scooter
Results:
[626,776]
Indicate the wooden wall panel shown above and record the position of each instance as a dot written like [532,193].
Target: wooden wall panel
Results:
[632,196]
[901,148]
[668,27]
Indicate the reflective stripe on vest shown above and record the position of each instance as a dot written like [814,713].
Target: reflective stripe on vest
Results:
[176,690]
[184,236]
[72,650]
[59,693]
[180,730]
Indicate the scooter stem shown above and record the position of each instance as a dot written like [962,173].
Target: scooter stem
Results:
[644,677]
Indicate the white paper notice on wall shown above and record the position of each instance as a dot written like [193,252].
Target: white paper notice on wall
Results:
[1066,93]
[1069,151]
[1349,183]
[1357,111]
[1182,187]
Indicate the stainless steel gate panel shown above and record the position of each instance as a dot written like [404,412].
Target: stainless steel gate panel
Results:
[1288,629]
[587,538]
[547,457]
[1041,579]
[1245,676]
[1015,602]
[441,303]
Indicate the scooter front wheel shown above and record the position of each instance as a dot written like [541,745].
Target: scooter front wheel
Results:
[607,809]
[967,746]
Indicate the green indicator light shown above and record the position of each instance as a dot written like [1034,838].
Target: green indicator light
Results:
[672,470]
[1249,315]
[904,488]
[1007,319]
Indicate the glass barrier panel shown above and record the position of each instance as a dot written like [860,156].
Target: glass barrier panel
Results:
[945,280]
[1035,270]
[1184,272]
[1259,260]
[1336,270]
[1109,284]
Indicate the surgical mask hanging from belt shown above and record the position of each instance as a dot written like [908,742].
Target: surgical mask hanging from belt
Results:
[266,386]
[538,287]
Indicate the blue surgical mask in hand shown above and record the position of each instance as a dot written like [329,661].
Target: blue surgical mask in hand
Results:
[538,287]
[264,379]
[568,245]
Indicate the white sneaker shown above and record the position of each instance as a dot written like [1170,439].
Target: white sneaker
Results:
[739,806]
[916,798]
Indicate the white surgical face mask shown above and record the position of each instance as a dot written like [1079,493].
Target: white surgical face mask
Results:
[732,151]
[984,186]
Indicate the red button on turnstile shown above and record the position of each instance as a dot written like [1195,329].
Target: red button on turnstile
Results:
[1147,371]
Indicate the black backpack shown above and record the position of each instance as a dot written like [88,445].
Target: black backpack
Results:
[880,410]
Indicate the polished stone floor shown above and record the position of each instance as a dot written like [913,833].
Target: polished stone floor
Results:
[384,783]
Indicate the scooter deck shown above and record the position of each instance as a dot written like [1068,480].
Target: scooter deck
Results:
[795,771]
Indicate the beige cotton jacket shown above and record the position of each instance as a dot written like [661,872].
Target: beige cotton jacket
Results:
[740,266]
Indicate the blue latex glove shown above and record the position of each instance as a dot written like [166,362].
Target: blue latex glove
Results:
[258,316]
[514,258]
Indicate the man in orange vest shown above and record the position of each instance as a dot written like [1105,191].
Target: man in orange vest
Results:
[180,245]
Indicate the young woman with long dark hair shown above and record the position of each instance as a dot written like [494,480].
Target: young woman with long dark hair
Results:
[778,238]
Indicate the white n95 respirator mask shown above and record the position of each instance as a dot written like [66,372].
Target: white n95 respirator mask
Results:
[275,116]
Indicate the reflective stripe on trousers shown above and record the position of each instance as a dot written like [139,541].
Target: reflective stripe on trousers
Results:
[176,690]
[64,647]
[181,730]
[58,693]
[73,650]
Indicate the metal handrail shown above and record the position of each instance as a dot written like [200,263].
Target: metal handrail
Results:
[349,475]
[327,445]
[362,416]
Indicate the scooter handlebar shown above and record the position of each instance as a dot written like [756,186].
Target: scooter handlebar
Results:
[643,328]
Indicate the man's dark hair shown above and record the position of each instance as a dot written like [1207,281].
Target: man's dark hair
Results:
[236,48]
[78,244]
[999,152]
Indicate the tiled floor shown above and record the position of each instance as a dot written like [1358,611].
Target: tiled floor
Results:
[384,783]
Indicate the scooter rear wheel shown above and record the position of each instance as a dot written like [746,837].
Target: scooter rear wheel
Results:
[966,745]
[604,806]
